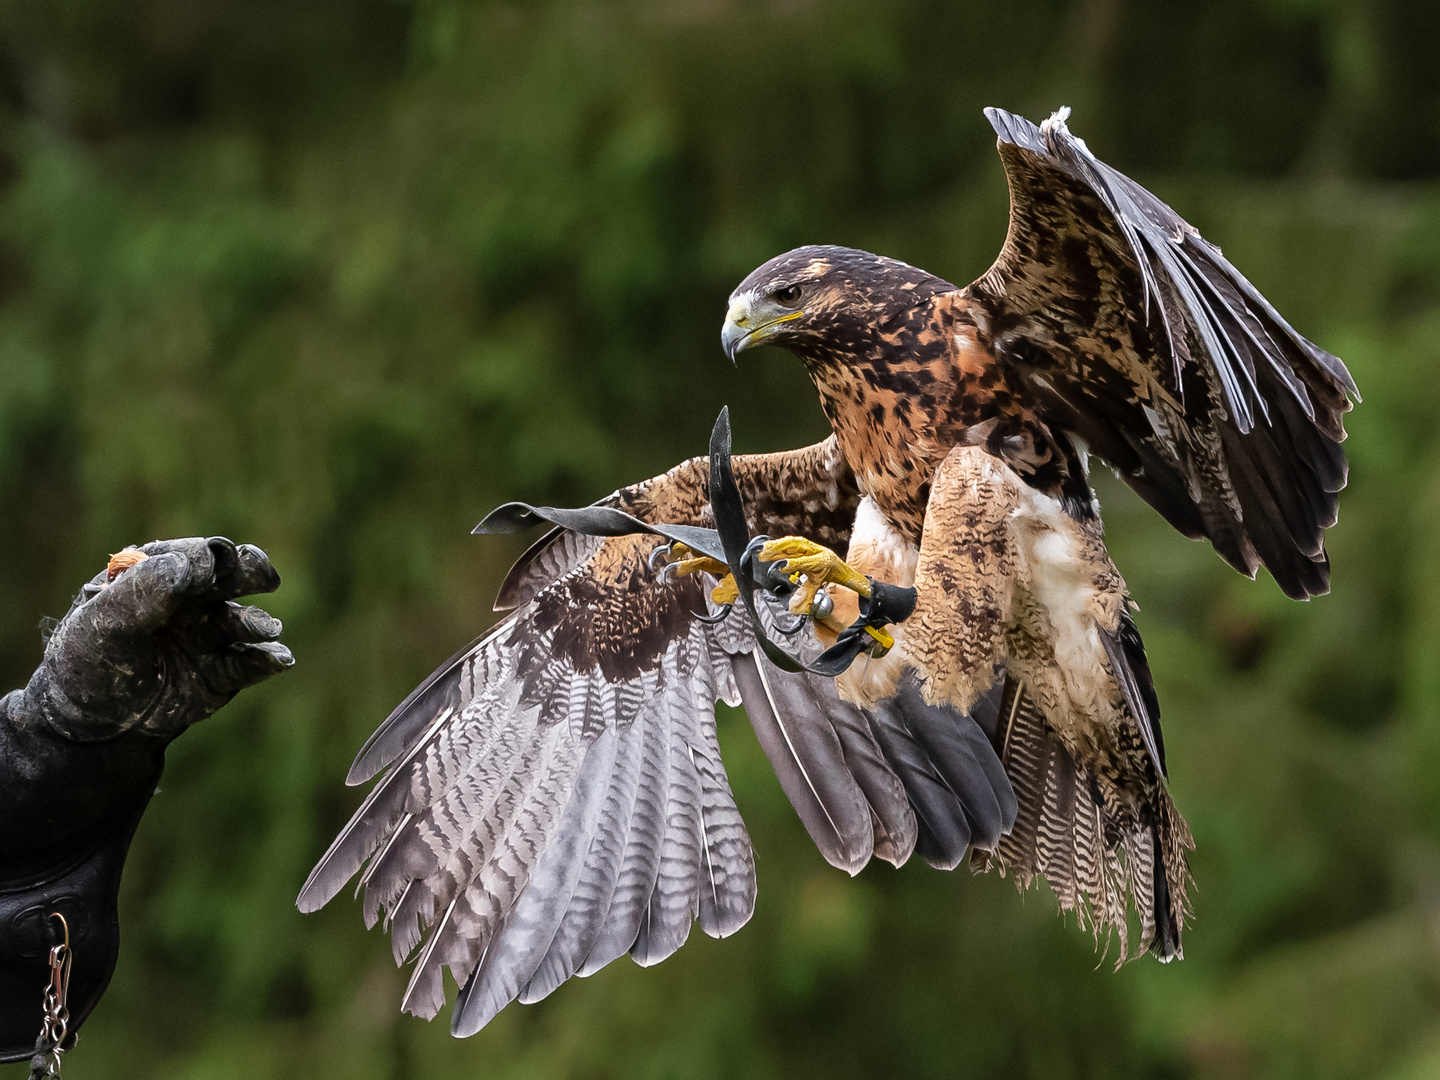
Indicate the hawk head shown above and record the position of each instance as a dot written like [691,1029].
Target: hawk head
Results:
[824,302]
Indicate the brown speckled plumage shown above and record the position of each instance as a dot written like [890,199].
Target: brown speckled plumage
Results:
[1107,325]
[553,797]
[1171,366]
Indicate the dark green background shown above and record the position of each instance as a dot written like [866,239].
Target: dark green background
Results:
[337,276]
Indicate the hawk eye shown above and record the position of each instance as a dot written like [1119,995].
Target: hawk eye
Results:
[788,295]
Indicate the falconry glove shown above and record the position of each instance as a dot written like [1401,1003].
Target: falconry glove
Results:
[150,646]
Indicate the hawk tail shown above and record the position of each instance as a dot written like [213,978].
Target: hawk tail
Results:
[1099,853]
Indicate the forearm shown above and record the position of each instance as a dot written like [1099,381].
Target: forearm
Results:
[58,796]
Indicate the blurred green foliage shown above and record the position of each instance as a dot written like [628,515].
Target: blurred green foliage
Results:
[337,277]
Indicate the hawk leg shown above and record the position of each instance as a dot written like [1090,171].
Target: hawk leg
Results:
[811,566]
[798,570]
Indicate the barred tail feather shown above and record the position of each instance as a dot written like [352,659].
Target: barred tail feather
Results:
[1098,856]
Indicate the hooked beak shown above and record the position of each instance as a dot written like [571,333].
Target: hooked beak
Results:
[733,334]
[736,332]
[745,327]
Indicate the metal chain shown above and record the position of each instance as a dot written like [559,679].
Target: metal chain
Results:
[45,1065]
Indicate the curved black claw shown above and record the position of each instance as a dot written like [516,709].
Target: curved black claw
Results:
[801,621]
[721,614]
[769,577]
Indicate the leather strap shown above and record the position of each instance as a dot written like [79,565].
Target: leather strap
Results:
[729,542]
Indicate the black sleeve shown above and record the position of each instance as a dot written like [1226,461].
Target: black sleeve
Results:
[147,649]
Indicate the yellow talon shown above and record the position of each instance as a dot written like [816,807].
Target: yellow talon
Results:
[702,565]
[684,561]
[818,564]
[726,592]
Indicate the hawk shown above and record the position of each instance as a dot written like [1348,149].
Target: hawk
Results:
[553,796]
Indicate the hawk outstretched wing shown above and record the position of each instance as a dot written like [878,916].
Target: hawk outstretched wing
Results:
[553,796]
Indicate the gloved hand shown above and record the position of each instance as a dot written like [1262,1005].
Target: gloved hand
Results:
[135,662]
[160,647]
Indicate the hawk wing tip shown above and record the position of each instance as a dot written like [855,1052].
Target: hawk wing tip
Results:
[1015,129]
[511,517]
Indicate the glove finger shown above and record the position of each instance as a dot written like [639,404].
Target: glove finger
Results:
[246,623]
[220,568]
[253,574]
[240,666]
[195,549]
[226,561]
[141,599]
[214,564]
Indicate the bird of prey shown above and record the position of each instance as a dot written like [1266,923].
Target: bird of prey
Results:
[553,796]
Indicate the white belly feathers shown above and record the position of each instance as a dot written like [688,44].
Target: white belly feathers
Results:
[1009,579]
[877,548]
